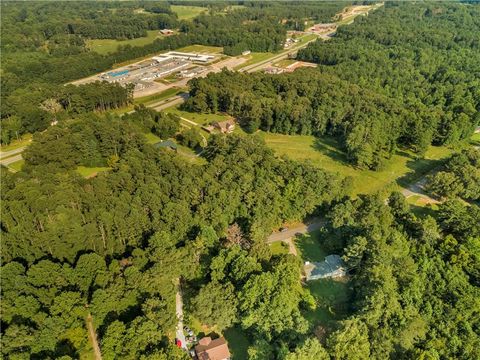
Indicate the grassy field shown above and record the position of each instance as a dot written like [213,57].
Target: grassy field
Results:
[197,117]
[152,138]
[309,247]
[420,207]
[279,247]
[107,46]
[285,62]
[187,12]
[23,141]
[17,165]
[331,296]
[237,343]
[148,100]
[327,154]
[202,49]
[88,172]
[255,57]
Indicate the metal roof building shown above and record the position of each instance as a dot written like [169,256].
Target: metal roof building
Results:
[332,267]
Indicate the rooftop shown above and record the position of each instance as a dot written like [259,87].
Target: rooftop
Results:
[208,349]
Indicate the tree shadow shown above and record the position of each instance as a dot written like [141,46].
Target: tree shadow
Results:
[331,147]
[310,247]
[423,211]
[420,167]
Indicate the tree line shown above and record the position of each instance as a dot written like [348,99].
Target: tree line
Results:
[34,107]
[459,177]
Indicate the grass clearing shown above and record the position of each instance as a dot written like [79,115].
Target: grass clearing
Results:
[420,207]
[237,343]
[201,49]
[17,165]
[185,12]
[88,172]
[284,63]
[332,298]
[108,46]
[279,248]
[309,247]
[197,117]
[326,153]
[148,100]
[152,138]
[255,57]
[15,144]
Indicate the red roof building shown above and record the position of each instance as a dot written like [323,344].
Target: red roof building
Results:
[208,349]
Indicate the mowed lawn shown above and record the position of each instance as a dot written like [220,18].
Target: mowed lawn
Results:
[279,248]
[332,297]
[88,172]
[24,140]
[107,46]
[255,57]
[185,12]
[201,49]
[327,154]
[17,165]
[198,118]
[238,343]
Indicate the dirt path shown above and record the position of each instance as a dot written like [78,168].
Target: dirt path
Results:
[179,310]
[93,338]
[292,249]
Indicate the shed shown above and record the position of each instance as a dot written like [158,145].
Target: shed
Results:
[332,267]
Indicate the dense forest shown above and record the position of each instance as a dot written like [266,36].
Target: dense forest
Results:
[114,246]
[460,176]
[111,251]
[424,56]
[35,107]
[150,219]
[376,88]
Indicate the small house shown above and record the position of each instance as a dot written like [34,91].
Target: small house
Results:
[167,144]
[225,127]
[166,32]
[208,349]
[246,52]
[332,267]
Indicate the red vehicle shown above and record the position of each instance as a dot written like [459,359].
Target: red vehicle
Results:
[178,343]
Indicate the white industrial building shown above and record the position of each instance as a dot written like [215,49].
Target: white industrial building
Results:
[201,58]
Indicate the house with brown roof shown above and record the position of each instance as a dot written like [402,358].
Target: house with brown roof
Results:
[226,126]
[208,349]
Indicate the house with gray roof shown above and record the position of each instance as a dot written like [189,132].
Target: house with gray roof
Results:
[332,267]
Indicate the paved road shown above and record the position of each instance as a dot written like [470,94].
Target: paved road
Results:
[11,159]
[5,154]
[313,224]
[263,64]
[172,102]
